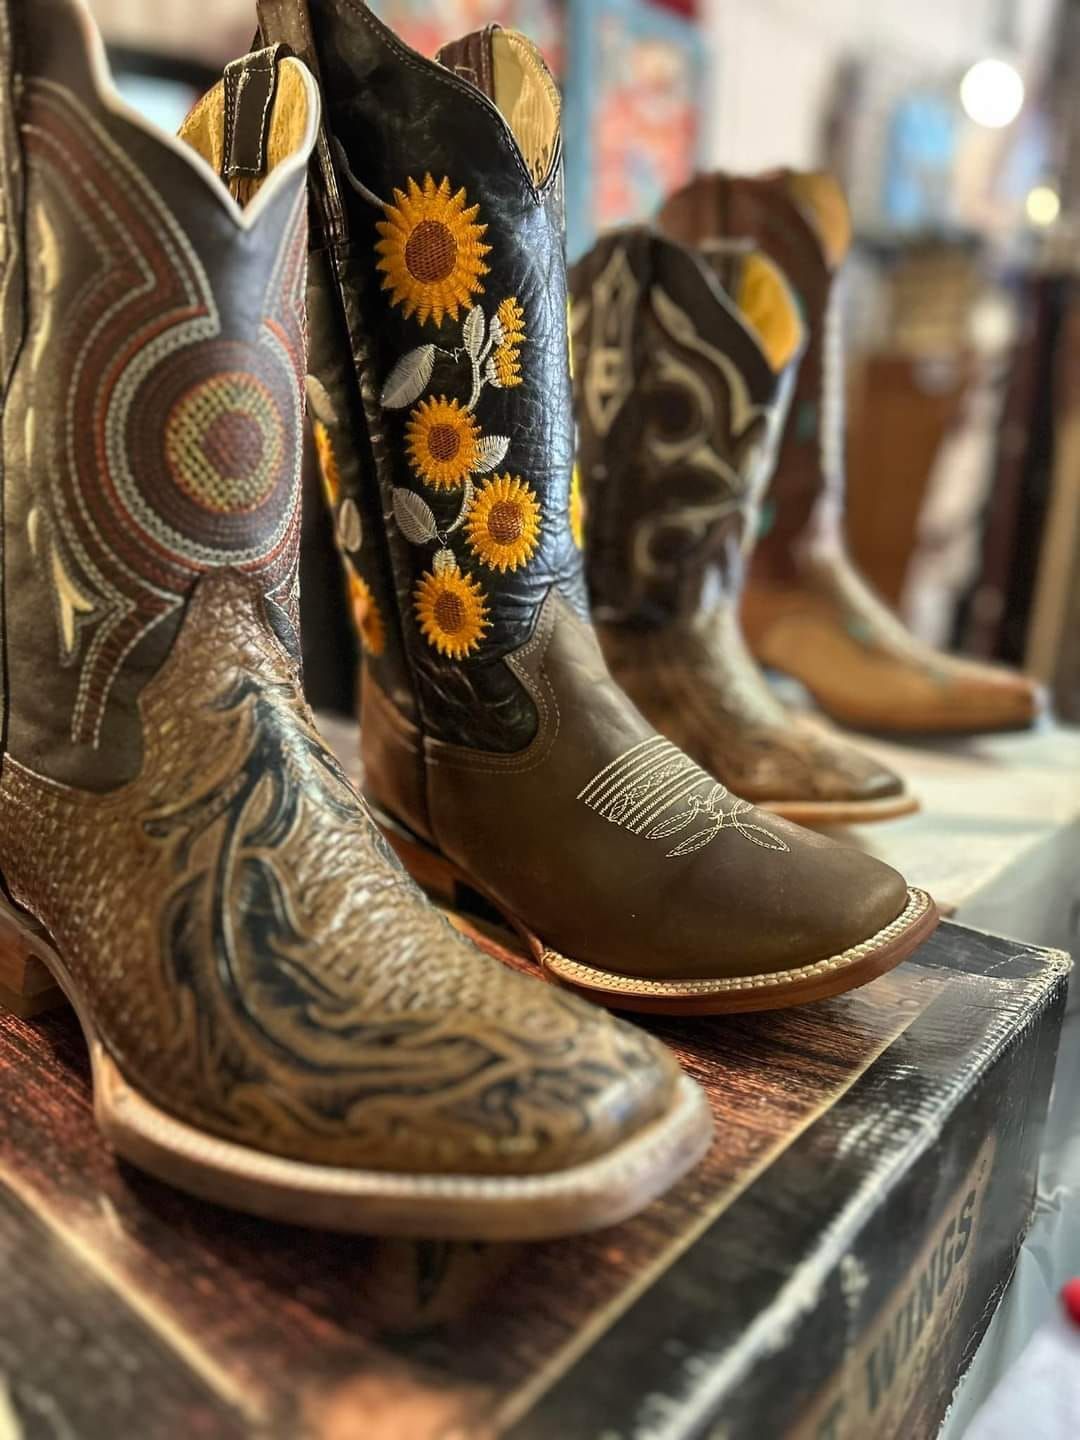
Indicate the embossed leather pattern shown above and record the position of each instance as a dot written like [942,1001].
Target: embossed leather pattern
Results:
[673,397]
[260,965]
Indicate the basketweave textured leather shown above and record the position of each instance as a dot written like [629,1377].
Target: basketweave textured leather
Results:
[239,938]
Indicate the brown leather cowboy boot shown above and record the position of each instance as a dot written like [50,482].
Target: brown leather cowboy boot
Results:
[682,377]
[277,1018]
[806,610]
[498,751]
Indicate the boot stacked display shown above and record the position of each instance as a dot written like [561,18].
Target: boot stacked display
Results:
[561,719]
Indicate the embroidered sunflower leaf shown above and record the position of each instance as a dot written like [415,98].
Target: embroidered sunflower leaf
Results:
[671,826]
[408,379]
[491,451]
[760,836]
[319,402]
[496,333]
[414,517]
[491,375]
[472,332]
[444,562]
[695,842]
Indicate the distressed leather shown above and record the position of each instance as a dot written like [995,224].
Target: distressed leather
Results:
[542,784]
[806,610]
[241,940]
[678,415]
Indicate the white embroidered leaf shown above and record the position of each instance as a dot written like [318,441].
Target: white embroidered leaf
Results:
[491,375]
[445,561]
[472,332]
[319,402]
[491,451]
[350,529]
[496,333]
[671,826]
[695,842]
[760,836]
[408,379]
[414,517]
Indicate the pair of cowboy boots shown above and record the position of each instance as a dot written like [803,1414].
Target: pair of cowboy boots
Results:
[806,610]
[277,1018]
[686,360]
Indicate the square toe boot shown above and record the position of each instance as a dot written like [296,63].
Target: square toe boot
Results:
[498,751]
[806,609]
[683,372]
[277,1018]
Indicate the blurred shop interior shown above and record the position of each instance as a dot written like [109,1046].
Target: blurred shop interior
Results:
[951,127]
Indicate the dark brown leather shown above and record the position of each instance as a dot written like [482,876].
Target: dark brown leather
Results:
[678,416]
[531,789]
[805,608]
[241,941]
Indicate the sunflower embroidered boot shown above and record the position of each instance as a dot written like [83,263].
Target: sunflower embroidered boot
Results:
[683,372]
[806,610]
[277,1018]
[498,752]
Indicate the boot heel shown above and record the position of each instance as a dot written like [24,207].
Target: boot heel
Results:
[27,987]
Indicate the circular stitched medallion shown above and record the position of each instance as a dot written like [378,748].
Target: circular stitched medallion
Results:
[224,443]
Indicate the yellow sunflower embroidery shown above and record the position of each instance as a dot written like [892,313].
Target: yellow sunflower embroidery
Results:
[367,617]
[328,466]
[504,523]
[432,250]
[505,359]
[577,509]
[451,611]
[442,439]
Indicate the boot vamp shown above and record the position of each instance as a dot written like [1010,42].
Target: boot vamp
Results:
[256,962]
[861,664]
[616,850]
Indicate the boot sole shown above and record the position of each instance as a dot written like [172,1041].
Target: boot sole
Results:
[842,812]
[832,975]
[598,1193]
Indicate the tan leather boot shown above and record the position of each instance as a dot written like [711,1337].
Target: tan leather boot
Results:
[683,373]
[499,752]
[806,610]
[277,1018]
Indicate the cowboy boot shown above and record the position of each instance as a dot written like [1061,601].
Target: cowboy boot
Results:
[806,610]
[277,1018]
[499,753]
[682,383]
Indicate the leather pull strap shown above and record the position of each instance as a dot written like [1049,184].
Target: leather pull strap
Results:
[288,22]
[250,87]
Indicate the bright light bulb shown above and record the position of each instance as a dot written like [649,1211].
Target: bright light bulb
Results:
[992,93]
[1043,205]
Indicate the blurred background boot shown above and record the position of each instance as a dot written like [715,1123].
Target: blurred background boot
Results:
[683,374]
[806,610]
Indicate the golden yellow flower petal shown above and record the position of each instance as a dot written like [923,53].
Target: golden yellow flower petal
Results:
[431,250]
[507,366]
[512,318]
[442,440]
[504,523]
[328,466]
[451,612]
[367,618]
[577,509]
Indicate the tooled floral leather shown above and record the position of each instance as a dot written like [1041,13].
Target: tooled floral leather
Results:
[672,394]
[258,964]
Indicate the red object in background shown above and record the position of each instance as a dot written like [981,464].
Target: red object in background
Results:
[683,7]
[1070,1298]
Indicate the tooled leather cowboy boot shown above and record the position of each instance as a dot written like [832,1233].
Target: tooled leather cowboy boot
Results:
[498,751]
[682,376]
[277,1018]
[806,610]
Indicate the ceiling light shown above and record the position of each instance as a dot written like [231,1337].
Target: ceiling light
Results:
[992,93]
